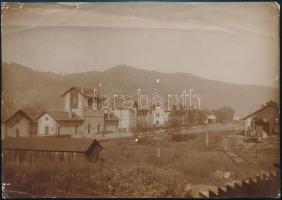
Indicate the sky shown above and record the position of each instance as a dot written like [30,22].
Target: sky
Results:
[230,42]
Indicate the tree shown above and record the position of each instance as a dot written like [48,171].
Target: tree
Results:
[175,117]
[224,114]
[203,116]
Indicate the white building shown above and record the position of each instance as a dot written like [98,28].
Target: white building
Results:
[211,118]
[59,123]
[81,101]
[159,116]
[76,119]
[127,118]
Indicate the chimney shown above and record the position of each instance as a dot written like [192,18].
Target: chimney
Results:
[70,113]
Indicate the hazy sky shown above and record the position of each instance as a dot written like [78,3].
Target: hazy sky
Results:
[232,42]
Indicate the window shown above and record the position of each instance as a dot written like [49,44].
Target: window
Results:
[98,128]
[17,133]
[76,130]
[46,118]
[88,129]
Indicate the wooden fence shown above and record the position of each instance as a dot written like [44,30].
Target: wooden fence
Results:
[264,185]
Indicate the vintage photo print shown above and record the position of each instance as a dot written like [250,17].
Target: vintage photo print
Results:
[140,99]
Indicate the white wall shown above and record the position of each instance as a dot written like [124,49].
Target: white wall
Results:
[160,118]
[67,102]
[123,115]
[22,126]
[43,122]
[80,107]
[127,118]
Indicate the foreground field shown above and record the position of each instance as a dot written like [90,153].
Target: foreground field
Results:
[158,167]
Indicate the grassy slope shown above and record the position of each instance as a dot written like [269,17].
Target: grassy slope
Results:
[133,170]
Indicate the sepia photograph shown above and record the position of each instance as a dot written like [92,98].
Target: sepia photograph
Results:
[140,99]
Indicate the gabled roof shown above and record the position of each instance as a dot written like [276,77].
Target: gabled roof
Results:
[20,111]
[29,113]
[58,144]
[33,113]
[62,116]
[83,91]
[268,104]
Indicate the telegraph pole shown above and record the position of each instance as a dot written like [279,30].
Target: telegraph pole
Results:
[207,137]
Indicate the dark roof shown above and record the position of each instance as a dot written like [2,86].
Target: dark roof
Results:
[58,144]
[33,113]
[20,111]
[268,104]
[29,113]
[83,91]
[62,116]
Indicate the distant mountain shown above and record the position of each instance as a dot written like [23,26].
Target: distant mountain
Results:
[24,87]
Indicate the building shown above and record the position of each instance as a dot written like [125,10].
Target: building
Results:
[266,117]
[127,118]
[167,113]
[20,150]
[85,103]
[22,123]
[211,118]
[144,118]
[111,122]
[159,116]
[59,123]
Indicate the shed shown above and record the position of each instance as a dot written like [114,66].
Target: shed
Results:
[267,117]
[35,149]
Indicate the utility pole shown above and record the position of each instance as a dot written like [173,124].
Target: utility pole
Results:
[207,137]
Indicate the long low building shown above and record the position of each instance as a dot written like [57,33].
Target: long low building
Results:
[267,118]
[20,149]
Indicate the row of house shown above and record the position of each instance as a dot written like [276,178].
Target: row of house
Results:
[76,120]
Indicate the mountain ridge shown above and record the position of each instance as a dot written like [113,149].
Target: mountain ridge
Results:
[23,86]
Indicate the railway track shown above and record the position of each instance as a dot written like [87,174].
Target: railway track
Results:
[236,158]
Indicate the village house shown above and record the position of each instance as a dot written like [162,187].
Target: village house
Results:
[75,102]
[127,118]
[127,115]
[111,122]
[20,150]
[59,123]
[211,118]
[144,118]
[159,116]
[267,117]
[23,123]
